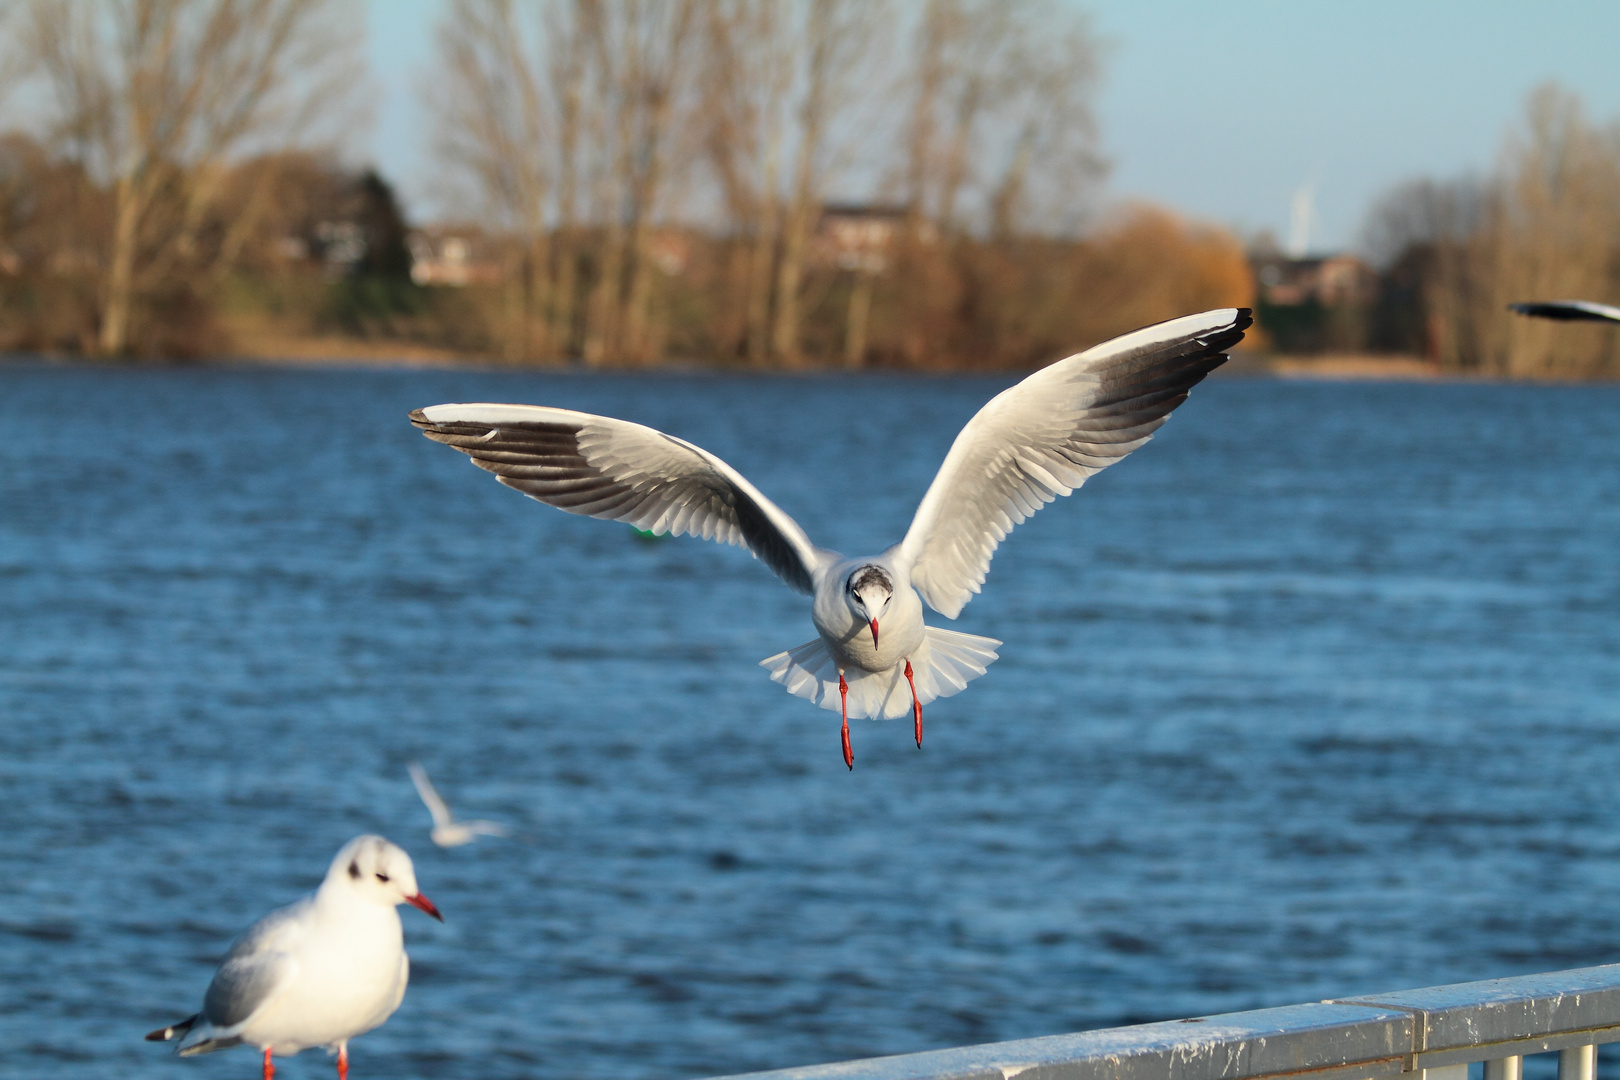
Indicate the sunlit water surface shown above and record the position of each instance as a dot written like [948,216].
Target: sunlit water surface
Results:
[1317,695]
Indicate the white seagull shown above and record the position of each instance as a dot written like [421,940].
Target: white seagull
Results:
[1569,310]
[873,655]
[317,972]
[447,831]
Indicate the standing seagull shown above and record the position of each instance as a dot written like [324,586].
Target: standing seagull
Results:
[447,831]
[1569,311]
[317,972]
[1031,443]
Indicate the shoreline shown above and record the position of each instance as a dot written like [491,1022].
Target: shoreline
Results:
[338,354]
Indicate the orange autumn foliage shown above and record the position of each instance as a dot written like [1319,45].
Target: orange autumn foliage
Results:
[1024,301]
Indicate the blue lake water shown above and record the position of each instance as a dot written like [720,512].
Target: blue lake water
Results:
[1316,695]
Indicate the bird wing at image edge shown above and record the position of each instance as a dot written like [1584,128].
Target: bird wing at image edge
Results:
[696,493]
[1568,310]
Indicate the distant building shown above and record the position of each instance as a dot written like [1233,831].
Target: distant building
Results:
[670,250]
[860,237]
[290,248]
[336,246]
[1331,304]
[1332,280]
[453,256]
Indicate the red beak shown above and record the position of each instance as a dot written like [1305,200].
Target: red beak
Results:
[422,903]
[874,633]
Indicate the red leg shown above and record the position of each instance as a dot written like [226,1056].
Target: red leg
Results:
[269,1069]
[916,706]
[343,1062]
[843,708]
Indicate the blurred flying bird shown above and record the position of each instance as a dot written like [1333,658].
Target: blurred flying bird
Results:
[873,655]
[317,972]
[1569,311]
[447,831]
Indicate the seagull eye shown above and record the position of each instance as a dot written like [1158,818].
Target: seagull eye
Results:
[382,877]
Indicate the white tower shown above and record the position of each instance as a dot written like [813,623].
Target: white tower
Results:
[1299,231]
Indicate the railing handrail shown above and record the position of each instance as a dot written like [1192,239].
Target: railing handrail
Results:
[1357,1038]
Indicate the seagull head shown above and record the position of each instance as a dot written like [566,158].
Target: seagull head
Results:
[380,872]
[868,591]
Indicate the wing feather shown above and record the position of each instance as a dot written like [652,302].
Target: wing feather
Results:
[1567,310]
[619,471]
[255,972]
[429,794]
[1045,436]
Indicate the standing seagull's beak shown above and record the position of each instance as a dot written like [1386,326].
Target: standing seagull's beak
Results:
[422,903]
[874,633]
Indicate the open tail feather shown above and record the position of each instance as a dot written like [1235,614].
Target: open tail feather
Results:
[942,665]
[196,1041]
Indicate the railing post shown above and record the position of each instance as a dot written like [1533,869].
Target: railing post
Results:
[1508,1068]
[1577,1063]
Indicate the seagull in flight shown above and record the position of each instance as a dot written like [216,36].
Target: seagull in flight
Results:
[873,655]
[317,972]
[1569,311]
[447,831]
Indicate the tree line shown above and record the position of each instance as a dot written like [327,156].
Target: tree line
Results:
[771,184]
[1543,224]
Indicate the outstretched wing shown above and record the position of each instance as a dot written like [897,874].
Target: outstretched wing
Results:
[606,468]
[1044,437]
[1569,310]
[430,797]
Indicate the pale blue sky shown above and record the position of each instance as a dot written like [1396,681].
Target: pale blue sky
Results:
[1222,110]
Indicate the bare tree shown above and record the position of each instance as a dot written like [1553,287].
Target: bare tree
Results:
[497,123]
[155,95]
[1433,229]
[1002,115]
[655,45]
[522,113]
[782,84]
[14,59]
[1554,232]
[838,36]
[1545,226]
[602,101]
[619,71]
[566,63]
[1422,213]
[748,70]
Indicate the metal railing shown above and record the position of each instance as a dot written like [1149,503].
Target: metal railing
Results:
[1431,1034]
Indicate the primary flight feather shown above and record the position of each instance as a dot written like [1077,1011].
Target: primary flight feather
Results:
[873,655]
[1568,310]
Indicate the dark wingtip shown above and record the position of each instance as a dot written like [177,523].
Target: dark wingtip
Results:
[164,1034]
[419,418]
[1225,338]
[1562,311]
